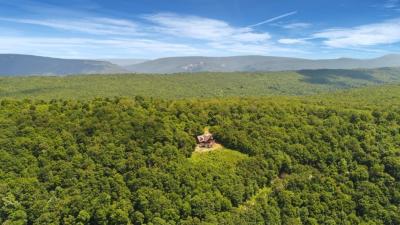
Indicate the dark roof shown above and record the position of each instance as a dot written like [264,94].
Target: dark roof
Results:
[204,138]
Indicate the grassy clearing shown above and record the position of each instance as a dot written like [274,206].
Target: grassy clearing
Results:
[221,159]
[203,150]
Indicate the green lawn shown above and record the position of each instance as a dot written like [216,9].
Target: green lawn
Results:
[220,159]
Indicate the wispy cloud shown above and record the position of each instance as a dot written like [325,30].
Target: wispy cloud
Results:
[274,19]
[96,25]
[293,26]
[292,41]
[392,4]
[145,48]
[203,28]
[218,36]
[147,36]
[89,48]
[162,34]
[387,32]
[253,49]
[88,30]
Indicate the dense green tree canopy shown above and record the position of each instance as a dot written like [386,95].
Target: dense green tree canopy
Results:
[131,161]
[194,85]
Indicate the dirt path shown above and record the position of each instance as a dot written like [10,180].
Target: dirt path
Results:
[202,150]
[252,201]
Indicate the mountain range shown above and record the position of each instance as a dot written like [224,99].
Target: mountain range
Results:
[257,63]
[23,65]
[123,62]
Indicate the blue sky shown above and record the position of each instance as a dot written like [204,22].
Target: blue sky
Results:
[161,28]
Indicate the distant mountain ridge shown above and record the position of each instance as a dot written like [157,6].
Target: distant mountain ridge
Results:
[257,63]
[123,62]
[22,65]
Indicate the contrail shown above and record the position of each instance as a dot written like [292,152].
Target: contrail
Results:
[273,19]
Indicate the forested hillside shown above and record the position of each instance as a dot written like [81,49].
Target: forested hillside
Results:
[254,63]
[25,65]
[131,161]
[209,85]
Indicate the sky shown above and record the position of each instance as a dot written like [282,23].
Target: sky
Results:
[148,29]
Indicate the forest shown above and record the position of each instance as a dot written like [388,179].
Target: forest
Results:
[196,85]
[326,159]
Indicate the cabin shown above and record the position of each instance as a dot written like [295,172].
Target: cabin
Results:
[205,141]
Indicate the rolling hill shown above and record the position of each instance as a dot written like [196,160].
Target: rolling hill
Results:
[205,85]
[25,65]
[123,62]
[256,63]
[22,65]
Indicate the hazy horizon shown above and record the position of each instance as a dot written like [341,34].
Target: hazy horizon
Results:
[188,56]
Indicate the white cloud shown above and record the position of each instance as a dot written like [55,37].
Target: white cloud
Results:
[99,26]
[90,48]
[156,35]
[387,32]
[391,4]
[291,41]
[219,37]
[122,47]
[204,28]
[292,26]
[252,49]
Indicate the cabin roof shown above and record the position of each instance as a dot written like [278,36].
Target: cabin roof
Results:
[204,138]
